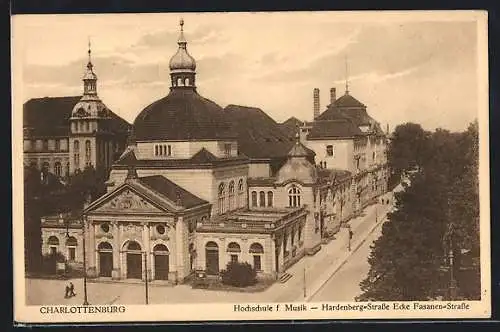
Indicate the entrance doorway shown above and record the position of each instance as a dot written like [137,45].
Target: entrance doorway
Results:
[212,258]
[105,259]
[134,260]
[161,262]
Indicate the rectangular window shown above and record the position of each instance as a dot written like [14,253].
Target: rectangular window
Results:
[71,254]
[227,150]
[169,150]
[329,150]
[257,265]
[53,250]
[234,258]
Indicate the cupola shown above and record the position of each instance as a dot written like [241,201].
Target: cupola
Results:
[182,64]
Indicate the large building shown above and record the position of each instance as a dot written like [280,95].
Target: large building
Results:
[199,186]
[66,134]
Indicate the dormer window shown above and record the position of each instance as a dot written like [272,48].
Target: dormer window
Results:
[162,150]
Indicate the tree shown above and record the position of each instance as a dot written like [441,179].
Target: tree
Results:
[239,274]
[407,262]
[407,148]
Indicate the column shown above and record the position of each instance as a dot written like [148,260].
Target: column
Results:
[147,250]
[179,248]
[91,250]
[280,253]
[115,274]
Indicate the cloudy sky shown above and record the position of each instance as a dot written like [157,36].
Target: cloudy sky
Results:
[422,70]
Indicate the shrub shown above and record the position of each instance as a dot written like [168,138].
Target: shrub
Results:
[239,274]
[49,262]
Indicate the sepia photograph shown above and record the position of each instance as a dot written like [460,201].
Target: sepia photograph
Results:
[250,166]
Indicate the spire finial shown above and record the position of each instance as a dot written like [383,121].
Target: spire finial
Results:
[297,135]
[346,76]
[181,23]
[89,64]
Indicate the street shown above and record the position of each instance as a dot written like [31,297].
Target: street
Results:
[344,284]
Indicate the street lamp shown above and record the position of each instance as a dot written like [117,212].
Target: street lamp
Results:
[85,300]
[83,224]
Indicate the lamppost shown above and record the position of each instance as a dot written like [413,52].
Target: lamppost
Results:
[83,224]
[85,300]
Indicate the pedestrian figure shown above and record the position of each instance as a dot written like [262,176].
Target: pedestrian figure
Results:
[66,294]
[350,238]
[71,289]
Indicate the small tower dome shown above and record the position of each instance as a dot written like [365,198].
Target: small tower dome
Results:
[182,60]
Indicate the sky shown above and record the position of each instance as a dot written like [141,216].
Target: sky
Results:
[421,69]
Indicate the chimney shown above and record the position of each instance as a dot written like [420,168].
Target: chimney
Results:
[333,95]
[316,102]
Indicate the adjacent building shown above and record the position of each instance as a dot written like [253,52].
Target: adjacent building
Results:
[66,134]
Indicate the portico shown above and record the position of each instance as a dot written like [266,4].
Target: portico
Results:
[136,231]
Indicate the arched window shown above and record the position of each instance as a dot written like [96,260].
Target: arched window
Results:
[87,153]
[231,195]
[222,197]
[233,249]
[270,197]
[133,246]
[294,196]
[57,168]
[87,126]
[257,251]
[71,244]
[186,81]
[262,199]
[254,198]
[241,193]
[104,246]
[53,243]
[160,249]
[76,154]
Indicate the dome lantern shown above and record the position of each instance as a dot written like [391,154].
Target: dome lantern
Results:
[90,78]
[182,64]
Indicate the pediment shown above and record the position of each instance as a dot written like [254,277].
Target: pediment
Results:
[128,201]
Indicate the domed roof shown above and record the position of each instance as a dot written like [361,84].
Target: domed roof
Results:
[90,108]
[182,115]
[182,60]
[297,167]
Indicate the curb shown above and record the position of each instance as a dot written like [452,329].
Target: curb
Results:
[343,260]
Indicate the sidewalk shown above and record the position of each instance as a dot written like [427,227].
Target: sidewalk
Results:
[320,267]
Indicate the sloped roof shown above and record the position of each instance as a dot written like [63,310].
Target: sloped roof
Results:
[259,136]
[49,117]
[348,101]
[182,115]
[172,191]
[203,156]
[290,125]
[333,129]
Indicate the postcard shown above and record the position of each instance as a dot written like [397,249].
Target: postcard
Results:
[250,166]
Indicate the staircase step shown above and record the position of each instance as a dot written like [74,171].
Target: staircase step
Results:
[285,277]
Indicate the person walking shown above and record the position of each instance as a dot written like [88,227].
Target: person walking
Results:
[66,294]
[71,289]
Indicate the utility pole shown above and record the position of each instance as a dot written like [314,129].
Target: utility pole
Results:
[304,286]
[146,275]
[449,243]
